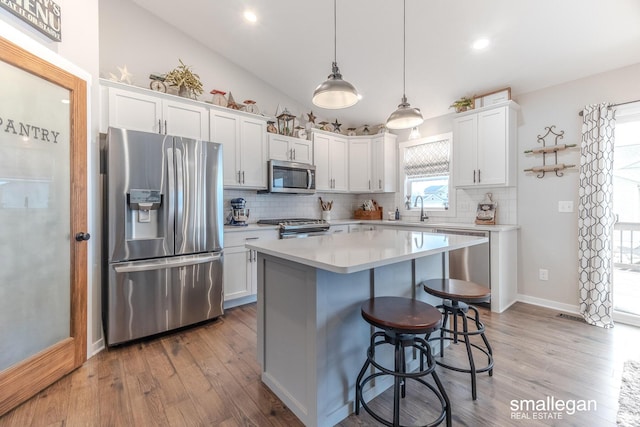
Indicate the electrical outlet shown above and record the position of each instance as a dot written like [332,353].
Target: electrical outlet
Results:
[565,206]
[543,274]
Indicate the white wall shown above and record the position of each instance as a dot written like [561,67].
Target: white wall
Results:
[77,53]
[548,239]
[131,36]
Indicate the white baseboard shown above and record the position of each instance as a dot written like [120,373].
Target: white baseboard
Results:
[96,348]
[567,308]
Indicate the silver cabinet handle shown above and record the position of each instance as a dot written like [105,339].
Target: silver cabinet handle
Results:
[159,126]
[243,177]
[478,176]
[165,127]
[369,184]
[474,176]
[239,182]
[294,154]
[379,184]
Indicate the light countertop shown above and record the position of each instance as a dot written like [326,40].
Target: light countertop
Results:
[352,252]
[408,224]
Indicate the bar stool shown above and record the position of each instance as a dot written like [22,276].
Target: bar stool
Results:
[401,321]
[457,295]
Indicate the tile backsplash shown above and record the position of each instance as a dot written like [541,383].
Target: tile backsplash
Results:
[308,206]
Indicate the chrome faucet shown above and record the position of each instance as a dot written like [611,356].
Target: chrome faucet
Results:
[415,205]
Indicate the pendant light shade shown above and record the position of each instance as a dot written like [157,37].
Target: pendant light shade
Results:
[405,116]
[335,93]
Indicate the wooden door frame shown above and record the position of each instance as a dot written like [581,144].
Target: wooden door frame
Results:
[23,380]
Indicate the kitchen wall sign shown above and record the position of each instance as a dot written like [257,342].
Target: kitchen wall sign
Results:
[43,15]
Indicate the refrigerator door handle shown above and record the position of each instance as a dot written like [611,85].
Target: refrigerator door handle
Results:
[171,175]
[180,200]
[160,264]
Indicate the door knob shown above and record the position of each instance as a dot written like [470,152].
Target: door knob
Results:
[82,236]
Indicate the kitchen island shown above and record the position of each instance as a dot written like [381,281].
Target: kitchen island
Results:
[311,337]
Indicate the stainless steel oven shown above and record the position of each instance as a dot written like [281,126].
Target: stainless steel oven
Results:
[291,177]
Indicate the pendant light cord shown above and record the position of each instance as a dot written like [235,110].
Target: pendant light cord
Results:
[335,33]
[404,48]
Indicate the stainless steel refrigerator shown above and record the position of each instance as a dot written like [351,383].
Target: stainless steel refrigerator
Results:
[163,233]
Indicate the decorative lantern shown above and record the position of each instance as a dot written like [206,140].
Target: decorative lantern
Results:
[286,123]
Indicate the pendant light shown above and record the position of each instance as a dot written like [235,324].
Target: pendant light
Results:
[405,116]
[335,93]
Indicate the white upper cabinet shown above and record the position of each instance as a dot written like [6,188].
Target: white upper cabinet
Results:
[331,157]
[360,163]
[140,109]
[244,143]
[373,164]
[384,168]
[289,148]
[484,146]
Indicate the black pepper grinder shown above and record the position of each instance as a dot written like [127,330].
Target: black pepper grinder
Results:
[397,214]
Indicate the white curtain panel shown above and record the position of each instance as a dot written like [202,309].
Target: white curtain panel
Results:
[596,218]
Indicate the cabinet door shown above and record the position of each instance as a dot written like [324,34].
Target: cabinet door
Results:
[237,272]
[279,147]
[224,128]
[360,165]
[302,150]
[465,150]
[130,110]
[384,164]
[492,147]
[185,120]
[253,153]
[322,162]
[339,161]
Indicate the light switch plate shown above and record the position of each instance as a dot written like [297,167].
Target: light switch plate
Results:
[565,206]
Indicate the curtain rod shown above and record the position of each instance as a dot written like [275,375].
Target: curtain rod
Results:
[616,105]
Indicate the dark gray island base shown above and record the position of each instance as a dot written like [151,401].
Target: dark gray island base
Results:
[311,337]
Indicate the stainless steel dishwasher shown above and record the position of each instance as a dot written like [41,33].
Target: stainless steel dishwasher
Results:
[472,263]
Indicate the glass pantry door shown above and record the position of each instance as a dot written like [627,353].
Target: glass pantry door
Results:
[42,224]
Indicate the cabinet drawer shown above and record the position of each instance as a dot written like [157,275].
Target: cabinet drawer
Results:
[240,238]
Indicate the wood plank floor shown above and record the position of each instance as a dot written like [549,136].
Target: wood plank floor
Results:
[208,376]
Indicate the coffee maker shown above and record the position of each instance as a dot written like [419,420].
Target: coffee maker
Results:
[239,212]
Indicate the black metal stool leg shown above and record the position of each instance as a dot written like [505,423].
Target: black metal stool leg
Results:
[398,383]
[472,369]
[480,326]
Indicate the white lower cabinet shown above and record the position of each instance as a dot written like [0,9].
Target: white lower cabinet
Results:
[240,274]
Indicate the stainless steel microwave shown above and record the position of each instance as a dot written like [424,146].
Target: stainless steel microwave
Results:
[291,177]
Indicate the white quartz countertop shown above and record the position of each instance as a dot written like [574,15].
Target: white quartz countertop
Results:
[349,253]
[408,224]
[429,225]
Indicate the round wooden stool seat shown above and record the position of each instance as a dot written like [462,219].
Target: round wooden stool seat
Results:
[402,322]
[458,290]
[403,315]
[457,296]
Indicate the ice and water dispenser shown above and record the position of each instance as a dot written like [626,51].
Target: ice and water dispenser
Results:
[145,216]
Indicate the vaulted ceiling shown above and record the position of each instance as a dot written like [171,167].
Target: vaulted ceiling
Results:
[534,44]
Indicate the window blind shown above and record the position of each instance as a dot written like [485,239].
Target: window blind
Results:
[427,160]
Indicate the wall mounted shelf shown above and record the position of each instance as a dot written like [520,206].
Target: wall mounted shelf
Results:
[550,149]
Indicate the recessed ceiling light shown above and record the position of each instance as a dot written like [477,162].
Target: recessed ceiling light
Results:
[250,16]
[480,44]
[65,101]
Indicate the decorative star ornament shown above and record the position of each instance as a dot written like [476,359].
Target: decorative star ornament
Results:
[336,126]
[125,75]
[311,118]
